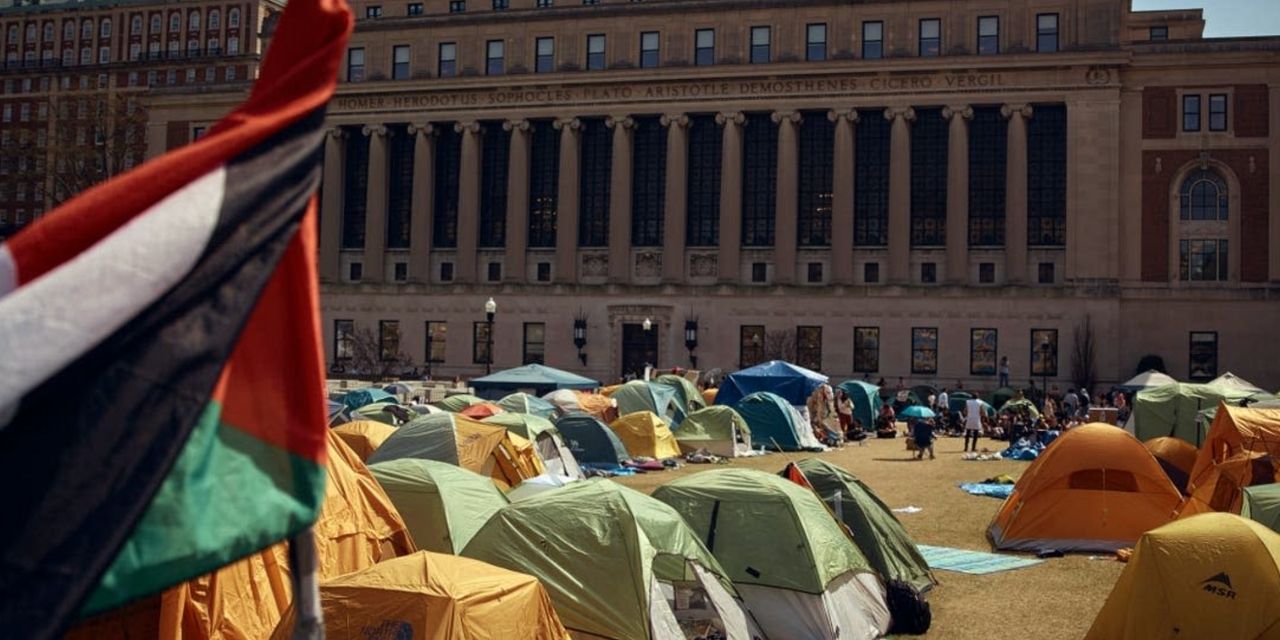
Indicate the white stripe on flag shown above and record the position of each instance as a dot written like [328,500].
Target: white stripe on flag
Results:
[48,323]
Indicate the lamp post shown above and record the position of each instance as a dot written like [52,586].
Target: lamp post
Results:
[580,335]
[490,309]
[1044,372]
[691,340]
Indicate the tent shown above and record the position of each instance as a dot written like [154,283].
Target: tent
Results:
[776,424]
[1148,379]
[717,429]
[1021,404]
[537,379]
[607,554]
[443,505]
[385,412]
[866,401]
[357,527]
[602,407]
[1234,381]
[364,436]
[555,454]
[1171,410]
[1241,450]
[482,410]
[793,383]
[538,485]
[361,397]
[687,395]
[1000,396]
[1262,504]
[457,402]
[431,596]
[646,435]
[486,449]
[639,395]
[709,395]
[799,572]
[1095,488]
[591,441]
[524,403]
[923,391]
[1211,576]
[1175,456]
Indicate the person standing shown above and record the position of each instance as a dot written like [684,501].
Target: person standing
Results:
[972,422]
[1004,371]
[844,410]
[944,401]
[922,431]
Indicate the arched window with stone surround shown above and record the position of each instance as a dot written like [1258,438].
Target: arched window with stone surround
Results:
[1203,207]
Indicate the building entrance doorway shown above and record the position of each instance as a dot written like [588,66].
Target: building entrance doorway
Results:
[639,348]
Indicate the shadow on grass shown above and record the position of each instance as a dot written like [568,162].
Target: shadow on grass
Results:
[896,459]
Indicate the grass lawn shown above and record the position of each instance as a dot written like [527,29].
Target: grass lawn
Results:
[1056,599]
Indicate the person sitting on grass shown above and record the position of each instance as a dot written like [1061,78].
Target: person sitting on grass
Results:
[922,432]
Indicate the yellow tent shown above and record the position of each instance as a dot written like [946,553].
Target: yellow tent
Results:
[1242,449]
[431,596]
[357,527]
[1176,456]
[364,436]
[645,434]
[1215,576]
[486,449]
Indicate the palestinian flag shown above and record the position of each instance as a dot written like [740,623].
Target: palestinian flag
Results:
[162,408]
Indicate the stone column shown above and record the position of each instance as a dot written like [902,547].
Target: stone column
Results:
[786,236]
[620,171]
[675,207]
[1273,167]
[730,196]
[1131,173]
[567,201]
[900,193]
[422,201]
[468,200]
[517,200]
[958,193]
[331,207]
[375,214]
[1015,196]
[842,196]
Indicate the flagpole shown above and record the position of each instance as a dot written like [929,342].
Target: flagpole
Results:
[304,575]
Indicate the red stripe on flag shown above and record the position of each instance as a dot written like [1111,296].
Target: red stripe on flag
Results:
[273,386]
[298,76]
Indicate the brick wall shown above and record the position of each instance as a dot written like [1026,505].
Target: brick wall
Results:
[1251,110]
[1159,112]
[177,133]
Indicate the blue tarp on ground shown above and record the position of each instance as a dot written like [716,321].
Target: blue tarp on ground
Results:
[866,401]
[591,441]
[1023,449]
[793,383]
[541,379]
[1001,491]
[773,423]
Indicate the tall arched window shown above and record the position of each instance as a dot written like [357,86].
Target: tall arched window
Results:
[1203,231]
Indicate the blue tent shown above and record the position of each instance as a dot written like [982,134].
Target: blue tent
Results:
[533,378]
[774,423]
[361,397]
[591,441]
[866,401]
[794,384]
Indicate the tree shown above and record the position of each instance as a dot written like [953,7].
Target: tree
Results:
[1084,369]
[780,344]
[95,137]
[378,357]
[1150,362]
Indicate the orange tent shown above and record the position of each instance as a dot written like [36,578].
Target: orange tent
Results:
[482,410]
[486,449]
[1096,488]
[1241,450]
[602,407]
[358,527]
[709,395]
[364,436]
[1176,456]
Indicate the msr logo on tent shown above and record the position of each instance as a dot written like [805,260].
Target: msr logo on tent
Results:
[1219,585]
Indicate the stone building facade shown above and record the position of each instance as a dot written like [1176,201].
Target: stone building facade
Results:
[881,188]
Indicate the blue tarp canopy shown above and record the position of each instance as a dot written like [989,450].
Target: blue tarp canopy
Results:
[536,378]
[792,383]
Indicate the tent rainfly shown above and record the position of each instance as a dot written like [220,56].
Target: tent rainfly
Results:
[556,456]
[442,504]
[717,429]
[793,383]
[1148,379]
[1262,505]
[866,401]
[536,379]
[448,437]
[776,424]
[646,435]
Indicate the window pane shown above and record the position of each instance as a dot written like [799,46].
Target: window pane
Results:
[989,26]
[649,40]
[402,54]
[759,36]
[705,38]
[1190,113]
[924,350]
[1204,355]
[872,30]
[546,46]
[930,29]
[817,33]
[866,349]
[595,44]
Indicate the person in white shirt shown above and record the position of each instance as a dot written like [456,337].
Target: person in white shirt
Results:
[943,399]
[972,422]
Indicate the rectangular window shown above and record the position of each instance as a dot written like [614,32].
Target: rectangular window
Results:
[400,271]
[924,350]
[809,347]
[1203,260]
[817,136]
[437,332]
[457,6]
[982,352]
[355,271]
[446,272]
[1217,112]
[1044,352]
[759,180]
[928,273]
[355,65]
[543,273]
[760,37]
[494,273]
[930,38]
[866,349]
[1191,113]
[373,11]
[544,176]
[815,273]
[595,52]
[595,183]
[500,5]
[535,347]
[1203,355]
[702,224]
[389,340]
[544,55]
[704,46]
[873,40]
[481,345]
[414,9]
[988,154]
[988,35]
[871,273]
[495,54]
[400,62]
[649,44]
[494,161]
[344,339]
[759,272]
[1047,176]
[929,157]
[542,4]
[1047,32]
[815,42]
[448,65]
[1046,273]
[986,273]
[648,181]
[1158,34]
[750,345]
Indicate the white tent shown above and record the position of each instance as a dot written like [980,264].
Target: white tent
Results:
[1146,380]
[1234,381]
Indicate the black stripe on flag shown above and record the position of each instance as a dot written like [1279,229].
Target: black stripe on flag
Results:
[88,449]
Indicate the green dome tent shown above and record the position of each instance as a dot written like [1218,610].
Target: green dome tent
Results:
[556,456]
[1262,504]
[796,568]
[659,399]
[776,424]
[687,394]
[443,505]
[525,403]
[717,429]
[605,552]
[1173,410]
[591,441]
[866,401]
[1000,396]
[458,402]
